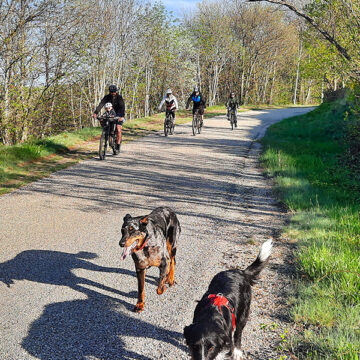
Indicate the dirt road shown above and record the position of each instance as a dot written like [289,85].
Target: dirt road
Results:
[65,294]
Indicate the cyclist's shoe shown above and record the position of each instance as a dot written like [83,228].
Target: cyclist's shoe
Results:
[235,123]
[117,147]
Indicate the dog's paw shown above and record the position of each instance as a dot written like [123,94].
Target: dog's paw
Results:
[161,290]
[139,307]
[171,282]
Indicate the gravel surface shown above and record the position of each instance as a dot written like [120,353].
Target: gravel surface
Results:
[65,294]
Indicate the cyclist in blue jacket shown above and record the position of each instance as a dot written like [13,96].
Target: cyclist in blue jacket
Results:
[199,103]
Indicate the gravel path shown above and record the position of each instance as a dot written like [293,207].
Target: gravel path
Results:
[65,294]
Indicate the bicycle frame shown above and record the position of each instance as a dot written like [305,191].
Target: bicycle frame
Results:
[233,117]
[168,123]
[196,122]
[108,136]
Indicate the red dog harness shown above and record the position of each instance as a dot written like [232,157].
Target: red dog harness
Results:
[220,300]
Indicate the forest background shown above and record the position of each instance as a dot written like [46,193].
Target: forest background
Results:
[57,57]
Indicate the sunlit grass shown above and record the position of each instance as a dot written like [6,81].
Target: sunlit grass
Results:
[305,155]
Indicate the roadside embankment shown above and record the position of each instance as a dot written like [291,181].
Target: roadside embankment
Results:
[308,156]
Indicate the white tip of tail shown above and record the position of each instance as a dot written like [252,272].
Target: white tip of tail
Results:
[265,250]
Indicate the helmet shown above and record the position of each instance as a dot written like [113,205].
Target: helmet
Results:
[113,88]
[108,106]
[168,91]
[232,94]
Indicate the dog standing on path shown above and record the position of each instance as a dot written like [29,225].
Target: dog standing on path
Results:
[152,241]
[222,313]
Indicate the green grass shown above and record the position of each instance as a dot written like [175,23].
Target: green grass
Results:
[305,154]
[24,163]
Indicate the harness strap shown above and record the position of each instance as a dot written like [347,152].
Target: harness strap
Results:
[144,244]
[220,300]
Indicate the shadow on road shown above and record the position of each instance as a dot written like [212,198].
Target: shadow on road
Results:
[94,327]
[156,174]
[55,268]
[79,328]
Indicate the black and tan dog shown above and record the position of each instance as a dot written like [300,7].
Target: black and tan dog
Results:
[222,313]
[152,241]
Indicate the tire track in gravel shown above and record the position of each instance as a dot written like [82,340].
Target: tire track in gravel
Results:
[64,292]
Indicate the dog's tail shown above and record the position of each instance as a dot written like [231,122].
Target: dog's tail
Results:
[253,271]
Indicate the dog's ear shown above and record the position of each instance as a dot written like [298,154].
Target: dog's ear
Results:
[144,220]
[127,217]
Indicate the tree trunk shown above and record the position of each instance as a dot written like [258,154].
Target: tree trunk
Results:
[298,72]
[271,98]
[148,78]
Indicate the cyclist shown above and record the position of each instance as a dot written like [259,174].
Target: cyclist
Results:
[232,105]
[171,104]
[118,105]
[109,111]
[199,102]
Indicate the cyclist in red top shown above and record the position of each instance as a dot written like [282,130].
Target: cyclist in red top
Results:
[171,104]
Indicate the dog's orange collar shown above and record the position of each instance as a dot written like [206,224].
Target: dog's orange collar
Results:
[220,300]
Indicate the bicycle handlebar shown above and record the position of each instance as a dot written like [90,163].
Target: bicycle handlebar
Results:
[112,118]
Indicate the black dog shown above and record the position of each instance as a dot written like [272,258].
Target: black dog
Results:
[222,313]
[152,241]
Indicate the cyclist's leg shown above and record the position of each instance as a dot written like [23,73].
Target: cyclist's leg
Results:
[201,112]
[118,133]
[172,113]
[119,130]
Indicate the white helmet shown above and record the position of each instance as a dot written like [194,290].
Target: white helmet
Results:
[108,105]
[168,91]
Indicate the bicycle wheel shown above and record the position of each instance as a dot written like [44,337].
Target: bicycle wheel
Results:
[102,146]
[113,145]
[194,124]
[166,127]
[199,124]
[232,121]
[172,126]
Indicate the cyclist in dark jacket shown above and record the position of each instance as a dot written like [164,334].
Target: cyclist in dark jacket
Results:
[199,103]
[232,105]
[118,104]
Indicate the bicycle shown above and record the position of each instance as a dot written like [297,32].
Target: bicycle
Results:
[233,118]
[196,122]
[108,135]
[169,124]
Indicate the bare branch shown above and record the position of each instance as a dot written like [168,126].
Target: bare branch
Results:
[343,52]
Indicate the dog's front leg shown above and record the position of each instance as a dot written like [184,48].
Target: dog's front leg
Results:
[140,273]
[164,270]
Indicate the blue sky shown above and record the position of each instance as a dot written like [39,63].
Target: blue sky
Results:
[177,6]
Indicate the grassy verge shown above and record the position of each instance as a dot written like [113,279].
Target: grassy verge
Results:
[24,163]
[305,155]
